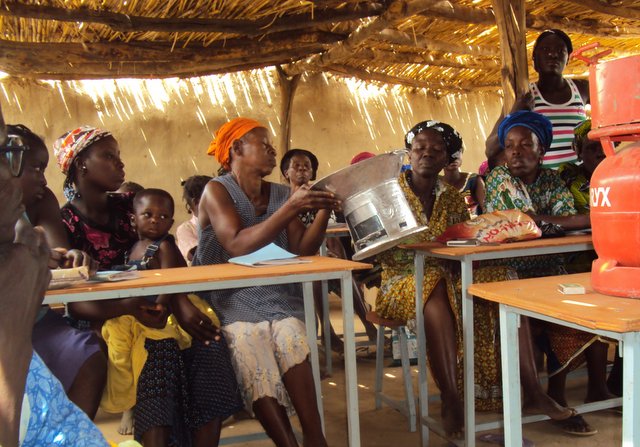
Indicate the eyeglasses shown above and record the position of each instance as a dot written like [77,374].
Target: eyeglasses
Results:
[13,151]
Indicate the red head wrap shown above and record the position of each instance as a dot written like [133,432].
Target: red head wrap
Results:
[361,156]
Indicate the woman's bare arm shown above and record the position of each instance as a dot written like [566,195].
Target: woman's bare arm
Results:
[480,191]
[46,215]
[575,222]
[218,210]
[306,241]
[24,277]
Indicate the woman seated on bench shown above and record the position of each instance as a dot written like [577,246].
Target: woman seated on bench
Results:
[240,212]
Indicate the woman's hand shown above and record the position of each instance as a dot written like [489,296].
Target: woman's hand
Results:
[150,314]
[309,199]
[523,102]
[194,322]
[63,258]
[76,258]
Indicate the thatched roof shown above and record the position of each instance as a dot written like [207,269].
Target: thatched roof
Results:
[445,46]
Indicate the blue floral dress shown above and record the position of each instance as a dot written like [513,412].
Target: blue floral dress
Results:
[51,419]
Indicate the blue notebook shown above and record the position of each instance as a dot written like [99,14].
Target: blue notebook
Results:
[268,255]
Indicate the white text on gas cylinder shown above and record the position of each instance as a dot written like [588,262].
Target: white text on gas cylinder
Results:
[600,196]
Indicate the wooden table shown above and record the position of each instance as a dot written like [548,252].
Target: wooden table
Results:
[229,276]
[608,316]
[466,255]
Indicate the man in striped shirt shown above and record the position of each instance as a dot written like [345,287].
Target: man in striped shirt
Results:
[560,99]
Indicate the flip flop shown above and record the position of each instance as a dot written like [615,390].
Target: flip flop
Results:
[363,352]
[577,426]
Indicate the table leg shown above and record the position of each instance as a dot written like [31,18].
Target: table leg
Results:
[310,322]
[326,323]
[468,349]
[423,390]
[510,377]
[630,392]
[326,328]
[350,377]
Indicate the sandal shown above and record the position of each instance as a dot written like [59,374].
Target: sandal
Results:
[577,426]
[363,352]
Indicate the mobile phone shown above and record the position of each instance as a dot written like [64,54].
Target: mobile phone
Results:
[463,242]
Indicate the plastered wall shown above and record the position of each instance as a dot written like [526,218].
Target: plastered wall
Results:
[164,127]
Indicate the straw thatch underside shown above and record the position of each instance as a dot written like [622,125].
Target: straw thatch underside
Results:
[443,46]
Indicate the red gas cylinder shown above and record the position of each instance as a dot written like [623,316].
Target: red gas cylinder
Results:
[615,184]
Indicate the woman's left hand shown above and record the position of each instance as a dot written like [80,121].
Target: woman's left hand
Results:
[194,322]
[71,258]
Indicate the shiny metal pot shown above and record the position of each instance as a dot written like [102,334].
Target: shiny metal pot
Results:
[375,208]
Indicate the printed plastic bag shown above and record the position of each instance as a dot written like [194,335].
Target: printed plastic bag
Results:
[498,226]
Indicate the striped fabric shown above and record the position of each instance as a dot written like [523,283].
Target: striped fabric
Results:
[564,118]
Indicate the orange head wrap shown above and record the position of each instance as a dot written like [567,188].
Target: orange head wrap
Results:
[224,137]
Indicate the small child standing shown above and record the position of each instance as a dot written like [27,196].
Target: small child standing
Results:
[207,390]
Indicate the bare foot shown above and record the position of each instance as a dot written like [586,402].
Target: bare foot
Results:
[543,404]
[453,417]
[126,423]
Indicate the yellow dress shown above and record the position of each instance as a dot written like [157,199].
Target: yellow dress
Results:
[396,297]
[125,337]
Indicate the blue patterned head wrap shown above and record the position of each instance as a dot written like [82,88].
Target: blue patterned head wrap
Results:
[536,123]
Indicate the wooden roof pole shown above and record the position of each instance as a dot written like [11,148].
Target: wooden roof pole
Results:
[288,87]
[366,75]
[131,23]
[600,28]
[605,8]
[396,37]
[510,17]
[390,57]
[397,10]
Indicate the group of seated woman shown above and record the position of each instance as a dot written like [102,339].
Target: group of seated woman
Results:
[521,183]
[229,347]
[185,381]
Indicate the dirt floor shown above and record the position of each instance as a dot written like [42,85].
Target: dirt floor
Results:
[387,427]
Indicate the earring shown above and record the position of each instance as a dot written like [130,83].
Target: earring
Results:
[84,170]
